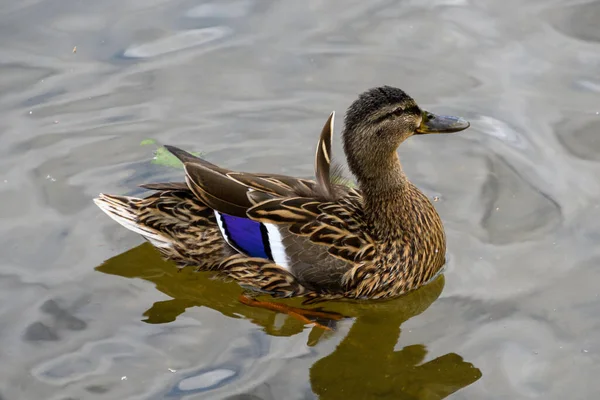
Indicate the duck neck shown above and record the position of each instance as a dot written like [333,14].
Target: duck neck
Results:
[386,196]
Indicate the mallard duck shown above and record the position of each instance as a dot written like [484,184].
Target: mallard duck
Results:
[319,238]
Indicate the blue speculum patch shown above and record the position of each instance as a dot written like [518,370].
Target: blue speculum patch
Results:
[249,237]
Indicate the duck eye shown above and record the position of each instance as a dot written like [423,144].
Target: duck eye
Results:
[398,111]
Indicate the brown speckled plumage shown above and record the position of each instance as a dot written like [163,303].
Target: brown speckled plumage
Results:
[377,241]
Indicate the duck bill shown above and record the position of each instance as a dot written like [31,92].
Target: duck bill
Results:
[432,123]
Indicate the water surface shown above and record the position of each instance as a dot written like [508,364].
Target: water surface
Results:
[89,312]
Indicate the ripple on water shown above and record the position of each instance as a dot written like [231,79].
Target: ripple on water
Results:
[15,77]
[59,319]
[91,359]
[177,41]
[518,353]
[205,380]
[515,209]
[502,131]
[579,135]
[579,21]
[220,9]
[590,84]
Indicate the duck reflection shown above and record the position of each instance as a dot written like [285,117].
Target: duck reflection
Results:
[364,365]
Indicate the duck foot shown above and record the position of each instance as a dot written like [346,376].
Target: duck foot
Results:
[320,319]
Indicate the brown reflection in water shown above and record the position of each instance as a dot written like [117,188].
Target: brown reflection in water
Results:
[364,364]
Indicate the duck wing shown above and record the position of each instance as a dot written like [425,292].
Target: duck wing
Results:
[313,230]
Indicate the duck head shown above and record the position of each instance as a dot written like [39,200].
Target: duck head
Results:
[379,121]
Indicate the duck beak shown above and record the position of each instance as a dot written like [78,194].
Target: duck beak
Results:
[432,123]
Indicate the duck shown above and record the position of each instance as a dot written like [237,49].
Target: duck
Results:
[318,239]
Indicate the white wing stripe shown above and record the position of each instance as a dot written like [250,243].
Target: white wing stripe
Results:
[222,228]
[277,249]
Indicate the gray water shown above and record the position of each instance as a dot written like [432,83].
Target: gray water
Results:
[249,84]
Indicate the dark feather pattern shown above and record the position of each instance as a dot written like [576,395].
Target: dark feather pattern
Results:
[375,242]
[210,186]
[261,274]
[166,186]
[323,160]
[175,222]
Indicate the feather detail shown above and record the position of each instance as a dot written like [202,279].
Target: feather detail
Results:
[246,236]
[254,239]
[323,159]
[217,190]
[175,222]
[278,251]
[327,224]
[122,210]
[261,275]
[166,186]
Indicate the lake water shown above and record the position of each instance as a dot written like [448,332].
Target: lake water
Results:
[89,312]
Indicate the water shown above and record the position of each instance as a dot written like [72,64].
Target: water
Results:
[249,84]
